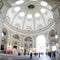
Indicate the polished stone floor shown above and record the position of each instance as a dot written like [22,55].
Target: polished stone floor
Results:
[26,57]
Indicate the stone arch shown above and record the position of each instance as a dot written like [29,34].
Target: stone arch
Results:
[41,43]
[28,45]
[52,33]
[4,39]
[16,42]
[4,32]
[28,38]
[16,36]
[6,6]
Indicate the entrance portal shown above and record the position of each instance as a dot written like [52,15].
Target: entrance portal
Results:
[41,44]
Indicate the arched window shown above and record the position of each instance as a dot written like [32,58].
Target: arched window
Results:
[4,32]
[41,44]
[28,39]
[16,36]
[52,33]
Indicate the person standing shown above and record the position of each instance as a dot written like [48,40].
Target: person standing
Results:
[31,56]
[39,54]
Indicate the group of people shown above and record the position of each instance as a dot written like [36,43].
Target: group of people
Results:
[52,54]
[34,54]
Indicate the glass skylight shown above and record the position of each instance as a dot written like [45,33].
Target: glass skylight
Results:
[29,16]
[19,2]
[43,10]
[43,3]
[16,9]
[22,14]
[37,15]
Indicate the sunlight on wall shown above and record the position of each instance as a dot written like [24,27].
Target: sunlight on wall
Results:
[41,44]
[54,48]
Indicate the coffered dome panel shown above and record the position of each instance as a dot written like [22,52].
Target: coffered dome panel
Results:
[30,14]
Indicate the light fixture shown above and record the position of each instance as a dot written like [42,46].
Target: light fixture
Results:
[19,2]
[43,10]
[2,34]
[37,15]
[22,14]
[56,36]
[29,16]
[16,9]
[43,3]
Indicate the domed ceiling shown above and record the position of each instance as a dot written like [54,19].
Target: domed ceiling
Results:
[30,14]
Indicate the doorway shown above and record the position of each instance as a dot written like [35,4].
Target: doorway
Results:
[41,44]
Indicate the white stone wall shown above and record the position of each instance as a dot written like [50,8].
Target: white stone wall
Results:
[21,41]
[57,25]
[1,26]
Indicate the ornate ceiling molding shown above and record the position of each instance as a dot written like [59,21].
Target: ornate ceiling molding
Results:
[54,8]
[56,1]
[37,31]
[39,14]
[26,32]
[1,4]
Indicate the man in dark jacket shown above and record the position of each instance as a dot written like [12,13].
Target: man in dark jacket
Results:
[30,56]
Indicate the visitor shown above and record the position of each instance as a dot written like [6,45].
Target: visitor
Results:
[39,54]
[19,53]
[30,56]
[49,54]
[28,53]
